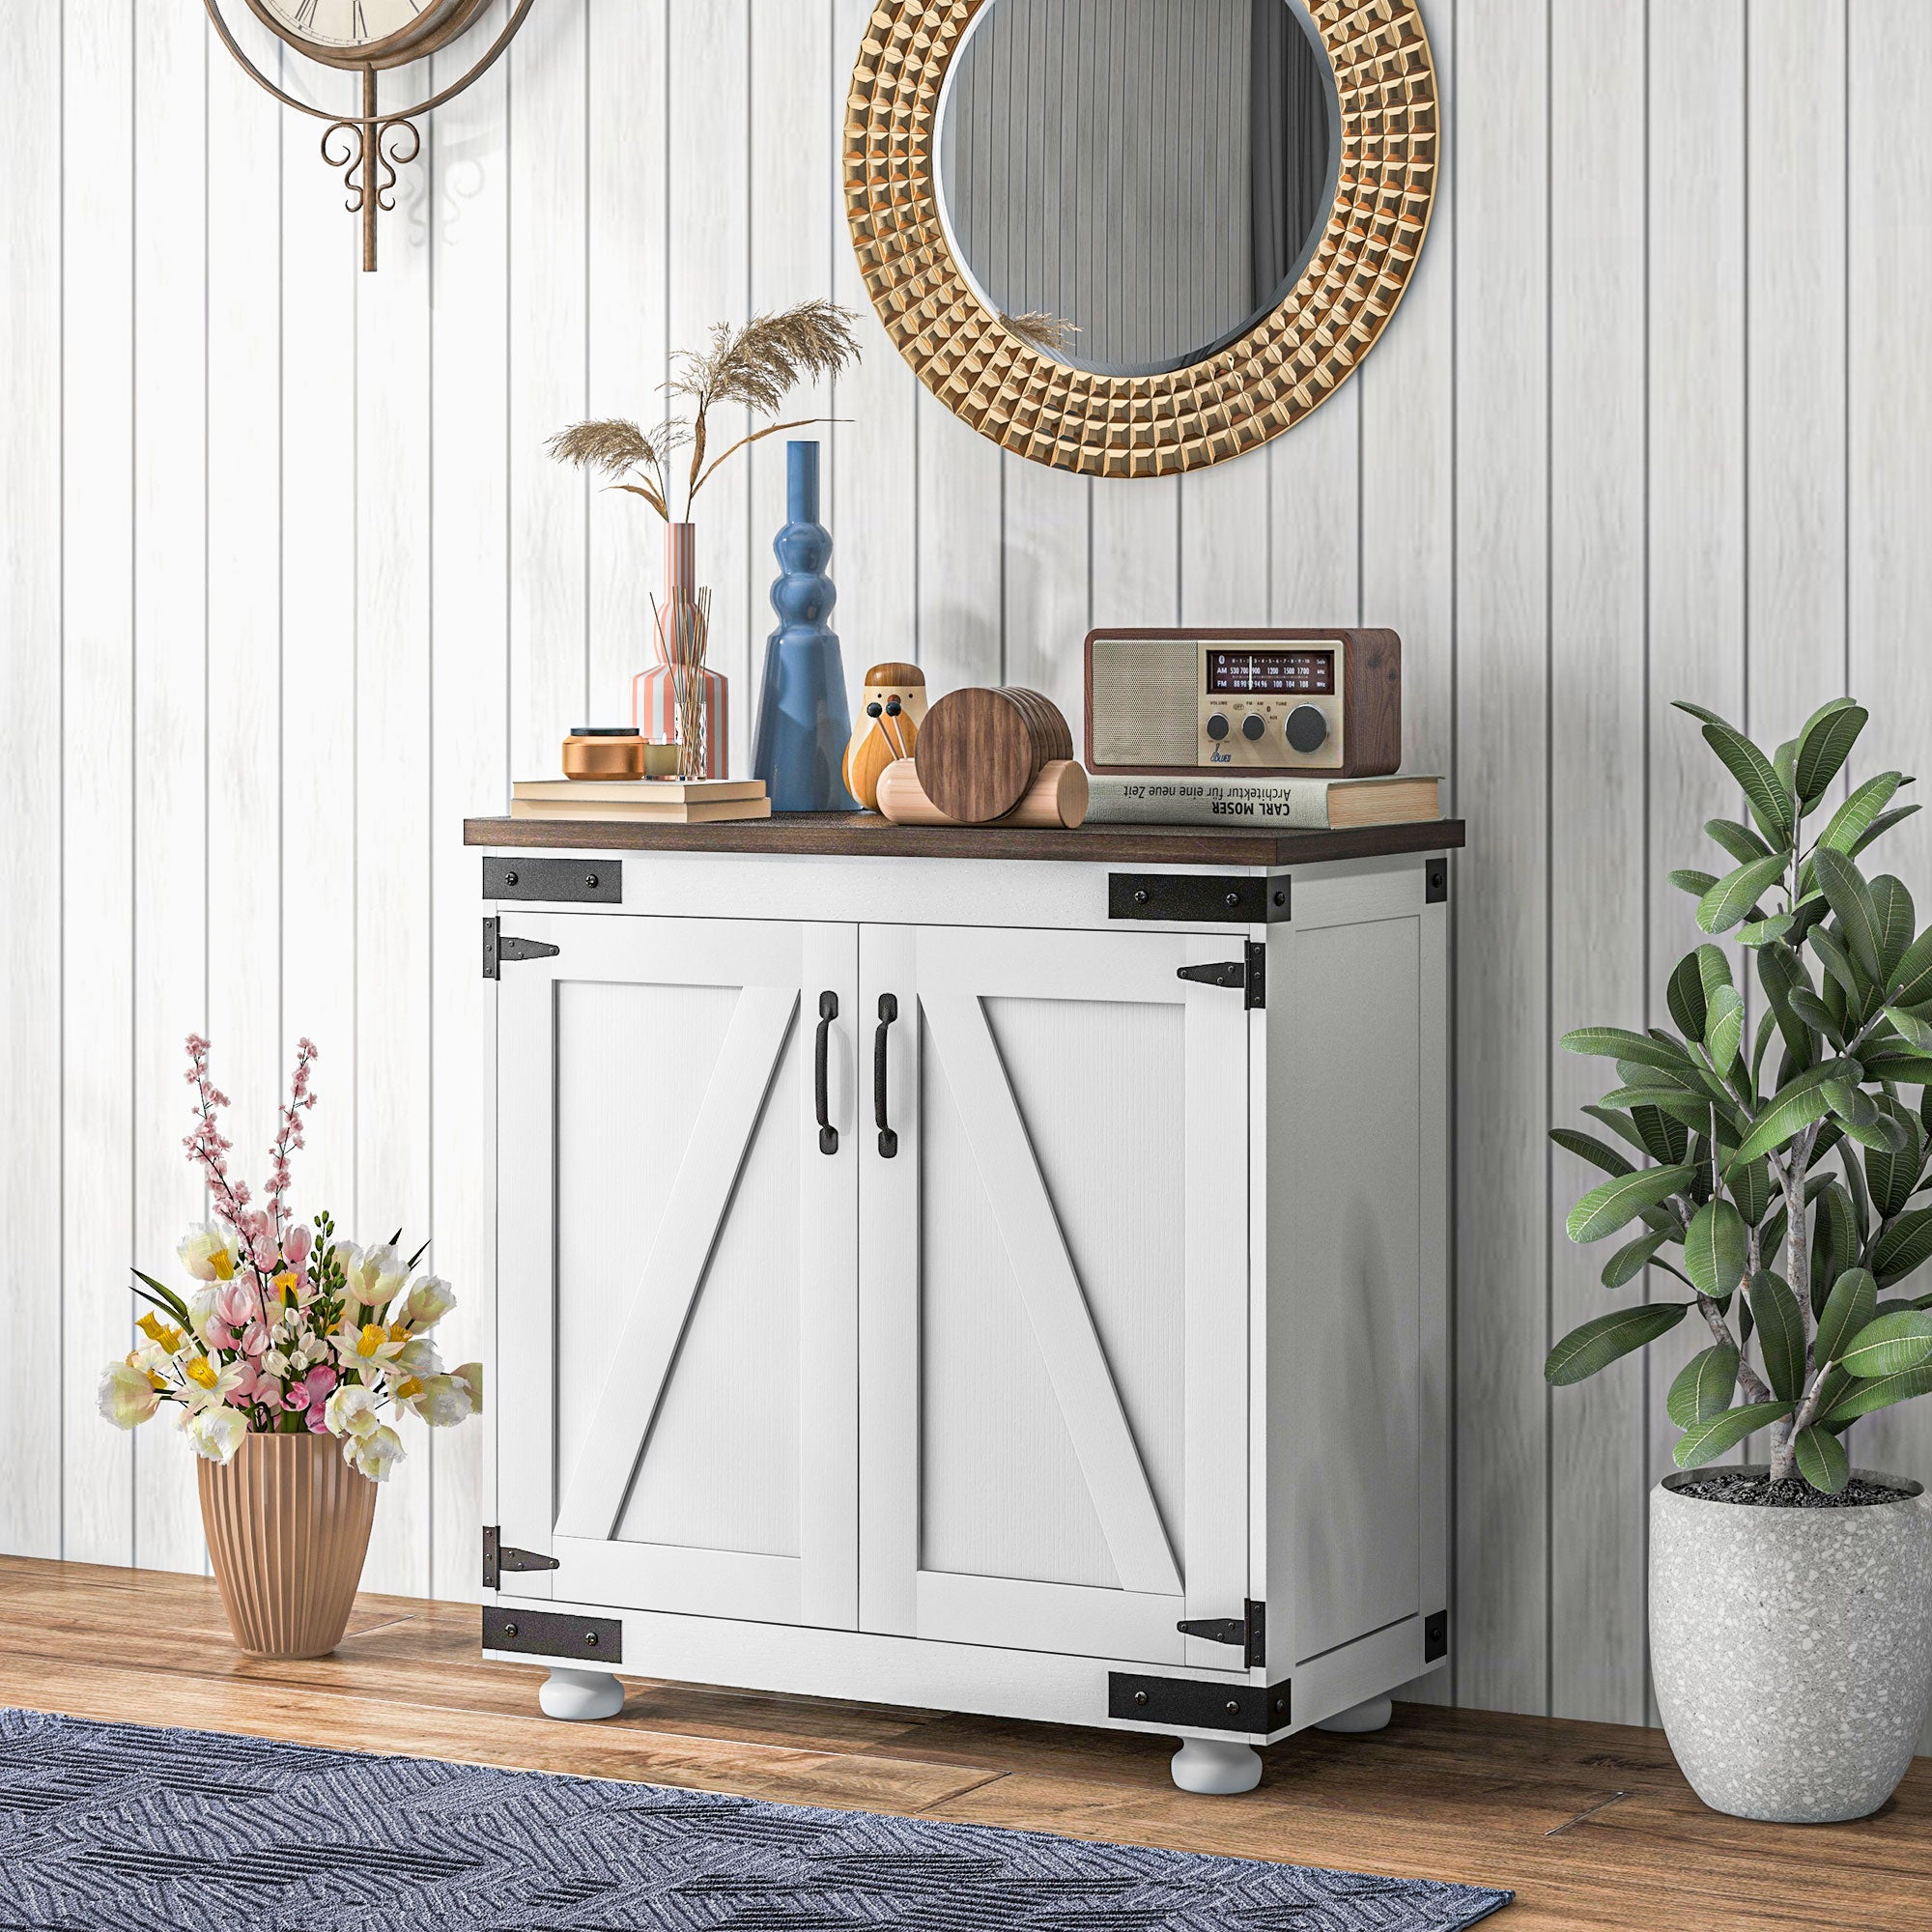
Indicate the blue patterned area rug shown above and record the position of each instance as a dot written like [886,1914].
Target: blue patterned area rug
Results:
[118,1828]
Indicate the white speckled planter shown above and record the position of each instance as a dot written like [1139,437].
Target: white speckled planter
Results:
[1791,1648]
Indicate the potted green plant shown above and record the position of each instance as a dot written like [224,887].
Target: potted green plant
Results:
[1777,1179]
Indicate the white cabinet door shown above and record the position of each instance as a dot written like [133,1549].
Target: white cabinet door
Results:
[676,1324]
[1054,1292]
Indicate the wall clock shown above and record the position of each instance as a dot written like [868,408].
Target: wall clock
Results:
[368,37]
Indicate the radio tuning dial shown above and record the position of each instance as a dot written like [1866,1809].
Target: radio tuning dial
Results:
[1253,725]
[1217,725]
[1307,728]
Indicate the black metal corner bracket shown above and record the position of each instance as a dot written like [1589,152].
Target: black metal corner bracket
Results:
[553,1635]
[1196,899]
[1246,1710]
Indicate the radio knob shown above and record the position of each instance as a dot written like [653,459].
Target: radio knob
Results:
[1217,725]
[1307,728]
[1253,725]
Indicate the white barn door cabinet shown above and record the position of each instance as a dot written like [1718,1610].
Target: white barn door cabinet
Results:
[1000,1272]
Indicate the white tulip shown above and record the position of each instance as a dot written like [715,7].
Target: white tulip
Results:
[127,1398]
[350,1412]
[443,1402]
[374,1278]
[216,1432]
[429,1301]
[374,1455]
[419,1357]
[471,1376]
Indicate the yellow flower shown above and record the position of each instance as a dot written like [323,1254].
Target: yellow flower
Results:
[409,1388]
[288,1284]
[372,1338]
[201,1372]
[161,1333]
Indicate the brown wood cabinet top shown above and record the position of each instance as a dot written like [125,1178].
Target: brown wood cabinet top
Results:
[865,834]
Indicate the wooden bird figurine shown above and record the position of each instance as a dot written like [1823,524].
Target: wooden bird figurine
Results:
[887,728]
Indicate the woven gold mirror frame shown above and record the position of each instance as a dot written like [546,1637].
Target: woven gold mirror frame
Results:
[1286,366]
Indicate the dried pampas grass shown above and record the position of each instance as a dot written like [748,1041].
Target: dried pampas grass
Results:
[756,367]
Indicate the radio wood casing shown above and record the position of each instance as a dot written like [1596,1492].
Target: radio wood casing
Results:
[1324,702]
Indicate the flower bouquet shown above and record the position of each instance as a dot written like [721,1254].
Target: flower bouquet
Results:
[281,1366]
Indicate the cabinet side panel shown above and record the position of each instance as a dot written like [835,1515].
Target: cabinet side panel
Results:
[1344,1257]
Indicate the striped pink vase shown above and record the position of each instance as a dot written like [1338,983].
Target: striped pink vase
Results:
[288,1526]
[697,716]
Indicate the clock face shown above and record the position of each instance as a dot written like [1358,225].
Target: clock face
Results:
[358,27]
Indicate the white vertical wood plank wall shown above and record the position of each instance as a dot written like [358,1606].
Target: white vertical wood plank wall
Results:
[287,589]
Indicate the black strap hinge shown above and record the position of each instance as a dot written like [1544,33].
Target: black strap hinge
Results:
[1249,1631]
[499,946]
[499,1556]
[1247,973]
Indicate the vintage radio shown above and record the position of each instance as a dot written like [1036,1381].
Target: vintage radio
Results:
[1206,699]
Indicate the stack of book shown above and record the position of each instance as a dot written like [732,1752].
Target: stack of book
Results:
[644,801]
[1293,804]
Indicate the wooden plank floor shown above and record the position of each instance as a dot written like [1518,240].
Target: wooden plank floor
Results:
[1590,1824]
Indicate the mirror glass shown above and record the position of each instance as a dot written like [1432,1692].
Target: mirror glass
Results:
[1134,184]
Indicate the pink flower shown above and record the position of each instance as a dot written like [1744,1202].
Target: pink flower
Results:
[320,1382]
[236,1305]
[220,1335]
[316,1424]
[255,1340]
[299,1242]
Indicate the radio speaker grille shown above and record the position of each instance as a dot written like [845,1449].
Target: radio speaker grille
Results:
[1147,709]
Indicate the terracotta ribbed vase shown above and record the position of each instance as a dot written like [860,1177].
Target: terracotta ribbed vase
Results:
[287,1527]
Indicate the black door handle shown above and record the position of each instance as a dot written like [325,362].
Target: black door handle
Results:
[889,1011]
[828,1012]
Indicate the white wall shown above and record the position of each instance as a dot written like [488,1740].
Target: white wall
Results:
[288,590]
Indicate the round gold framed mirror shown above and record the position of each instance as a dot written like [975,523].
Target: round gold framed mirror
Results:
[1137,236]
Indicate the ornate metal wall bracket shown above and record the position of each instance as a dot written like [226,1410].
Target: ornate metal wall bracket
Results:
[370,147]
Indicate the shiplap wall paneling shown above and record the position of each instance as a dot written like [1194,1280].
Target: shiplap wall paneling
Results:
[98,801]
[37,1390]
[172,770]
[1598,720]
[1503,786]
[626,93]
[1696,527]
[1888,397]
[710,281]
[872,496]
[469,717]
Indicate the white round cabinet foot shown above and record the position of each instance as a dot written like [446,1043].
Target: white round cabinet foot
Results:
[1216,1769]
[576,1697]
[1371,1716]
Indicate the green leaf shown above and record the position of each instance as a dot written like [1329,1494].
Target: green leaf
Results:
[1834,1244]
[1780,1335]
[169,1300]
[1726,1031]
[1898,1065]
[1769,802]
[1717,1249]
[1617,1203]
[1892,1174]
[1815,1013]
[1631,1259]
[1889,1345]
[1912,1030]
[1896,918]
[1881,1393]
[1692,1110]
[1737,893]
[1762,931]
[1597,1343]
[1903,1246]
[1620,1043]
[1666,1139]
[1778,970]
[1850,1307]
[1824,744]
[1685,995]
[1620,1125]
[1824,943]
[1750,1189]
[1912,981]
[1855,817]
[1850,897]
[1709,1441]
[1588,1147]
[1739,841]
[1789,1113]
[1880,826]
[1704,1387]
[1822,1459]
[1695,883]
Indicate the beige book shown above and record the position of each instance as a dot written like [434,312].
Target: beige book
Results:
[635,791]
[1293,804]
[701,811]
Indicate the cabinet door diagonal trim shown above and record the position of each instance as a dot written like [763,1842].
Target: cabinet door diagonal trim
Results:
[1056,1304]
[721,1139]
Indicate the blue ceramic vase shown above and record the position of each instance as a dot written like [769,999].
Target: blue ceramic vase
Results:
[803,718]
